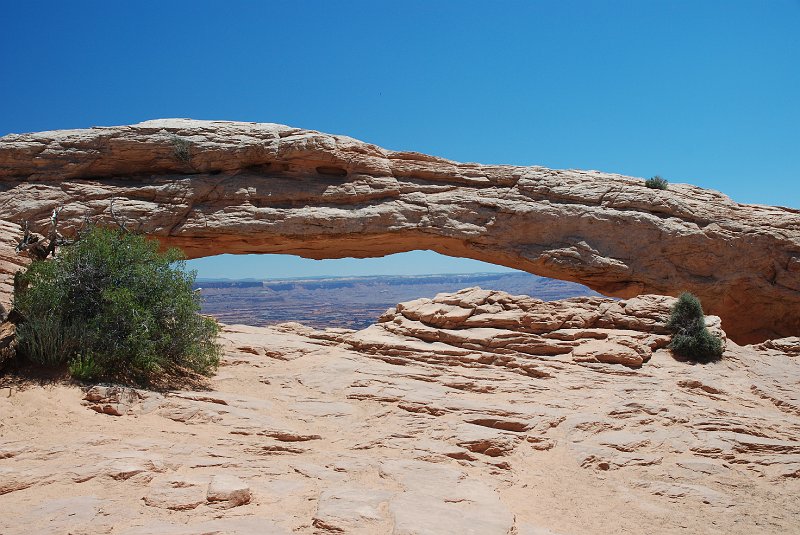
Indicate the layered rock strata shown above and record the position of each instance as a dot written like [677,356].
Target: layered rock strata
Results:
[214,187]
[518,330]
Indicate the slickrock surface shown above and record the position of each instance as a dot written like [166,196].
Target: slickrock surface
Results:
[215,187]
[474,412]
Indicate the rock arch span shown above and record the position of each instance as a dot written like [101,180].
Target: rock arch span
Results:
[214,187]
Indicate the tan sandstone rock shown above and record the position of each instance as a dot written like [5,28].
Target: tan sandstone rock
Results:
[491,328]
[214,187]
[488,427]
[228,489]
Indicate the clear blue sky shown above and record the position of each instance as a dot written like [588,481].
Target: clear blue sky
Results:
[698,91]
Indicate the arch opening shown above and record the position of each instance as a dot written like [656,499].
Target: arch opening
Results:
[349,293]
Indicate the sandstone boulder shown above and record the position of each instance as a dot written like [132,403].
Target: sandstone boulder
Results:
[228,490]
[477,327]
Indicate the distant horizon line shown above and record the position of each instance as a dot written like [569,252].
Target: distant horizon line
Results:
[324,277]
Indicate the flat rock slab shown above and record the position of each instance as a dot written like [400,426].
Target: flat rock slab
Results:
[444,500]
[353,509]
[178,494]
[228,489]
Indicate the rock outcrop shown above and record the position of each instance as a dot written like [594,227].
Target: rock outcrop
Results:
[214,187]
[469,324]
[511,420]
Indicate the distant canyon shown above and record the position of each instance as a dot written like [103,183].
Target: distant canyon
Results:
[355,302]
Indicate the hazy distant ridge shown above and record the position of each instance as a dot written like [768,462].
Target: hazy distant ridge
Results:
[355,302]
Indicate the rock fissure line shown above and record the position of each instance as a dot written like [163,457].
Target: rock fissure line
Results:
[267,188]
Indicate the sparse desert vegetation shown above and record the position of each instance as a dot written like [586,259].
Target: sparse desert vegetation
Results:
[657,182]
[181,148]
[691,338]
[111,306]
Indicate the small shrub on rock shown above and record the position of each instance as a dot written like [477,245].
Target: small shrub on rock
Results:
[181,149]
[656,182]
[113,307]
[690,336]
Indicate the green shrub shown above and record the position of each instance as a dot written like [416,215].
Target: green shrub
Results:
[690,336]
[46,340]
[84,368]
[656,182]
[113,307]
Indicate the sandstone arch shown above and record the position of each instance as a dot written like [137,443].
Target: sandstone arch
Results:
[215,187]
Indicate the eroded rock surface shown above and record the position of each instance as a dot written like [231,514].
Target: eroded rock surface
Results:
[506,422]
[469,324]
[213,187]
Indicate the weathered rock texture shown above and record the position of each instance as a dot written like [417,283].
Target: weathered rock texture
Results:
[220,187]
[510,420]
[472,322]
